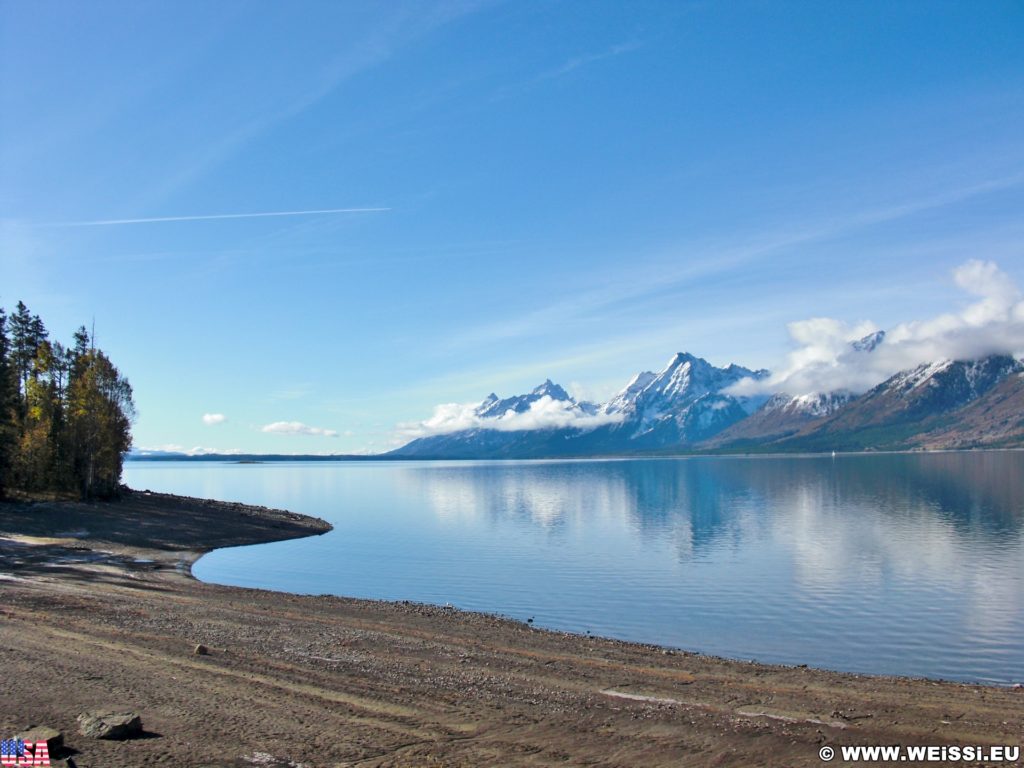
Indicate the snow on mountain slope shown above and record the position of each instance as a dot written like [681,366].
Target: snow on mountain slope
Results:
[690,405]
[899,411]
[869,342]
[781,416]
[628,395]
[493,406]
[650,398]
[680,405]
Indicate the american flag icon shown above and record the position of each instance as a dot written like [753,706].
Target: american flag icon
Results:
[20,752]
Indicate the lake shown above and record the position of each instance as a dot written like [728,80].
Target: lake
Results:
[909,564]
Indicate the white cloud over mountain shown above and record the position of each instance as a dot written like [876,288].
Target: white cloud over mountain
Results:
[825,361]
[298,428]
[197,450]
[544,413]
[826,358]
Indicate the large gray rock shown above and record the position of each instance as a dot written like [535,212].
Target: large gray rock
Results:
[54,739]
[110,724]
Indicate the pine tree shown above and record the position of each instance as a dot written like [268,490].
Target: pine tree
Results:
[27,332]
[8,400]
[77,352]
[22,348]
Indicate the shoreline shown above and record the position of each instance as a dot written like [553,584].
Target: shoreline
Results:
[341,458]
[670,649]
[323,680]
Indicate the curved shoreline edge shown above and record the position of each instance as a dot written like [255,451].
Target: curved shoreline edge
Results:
[160,528]
[98,611]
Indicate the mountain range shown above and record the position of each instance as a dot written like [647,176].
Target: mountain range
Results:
[690,407]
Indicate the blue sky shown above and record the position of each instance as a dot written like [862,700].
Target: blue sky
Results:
[573,190]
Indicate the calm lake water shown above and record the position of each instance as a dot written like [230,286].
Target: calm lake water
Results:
[893,564]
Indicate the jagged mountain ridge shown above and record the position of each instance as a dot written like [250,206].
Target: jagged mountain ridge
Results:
[930,388]
[494,407]
[686,408]
[995,419]
[782,416]
[902,409]
[684,381]
[682,404]
[869,343]
[785,415]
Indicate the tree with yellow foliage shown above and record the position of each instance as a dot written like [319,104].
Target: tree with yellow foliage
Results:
[65,413]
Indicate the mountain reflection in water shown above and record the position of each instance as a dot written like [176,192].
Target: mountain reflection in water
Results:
[904,564]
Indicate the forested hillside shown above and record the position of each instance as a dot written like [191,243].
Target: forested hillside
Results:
[65,412]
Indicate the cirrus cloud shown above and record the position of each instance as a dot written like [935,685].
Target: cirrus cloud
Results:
[298,428]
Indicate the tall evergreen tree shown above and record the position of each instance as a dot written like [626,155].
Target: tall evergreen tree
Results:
[27,332]
[38,331]
[77,352]
[8,401]
[22,348]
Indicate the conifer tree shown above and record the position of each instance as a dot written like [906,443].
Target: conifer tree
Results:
[8,401]
[27,333]
[77,353]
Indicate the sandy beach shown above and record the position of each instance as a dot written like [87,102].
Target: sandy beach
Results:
[100,610]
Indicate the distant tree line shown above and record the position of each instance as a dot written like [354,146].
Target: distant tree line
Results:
[65,412]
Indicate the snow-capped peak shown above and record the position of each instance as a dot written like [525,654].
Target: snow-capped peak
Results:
[970,377]
[552,390]
[919,376]
[682,382]
[810,404]
[869,342]
[629,393]
[494,407]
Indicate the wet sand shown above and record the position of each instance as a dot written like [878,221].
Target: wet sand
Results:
[99,609]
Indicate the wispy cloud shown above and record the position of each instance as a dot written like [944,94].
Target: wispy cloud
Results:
[823,360]
[664,273]
[581,61]
[387,37]
[294,391]
[215,217]
[570,65]
[210,419]
[298,428]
